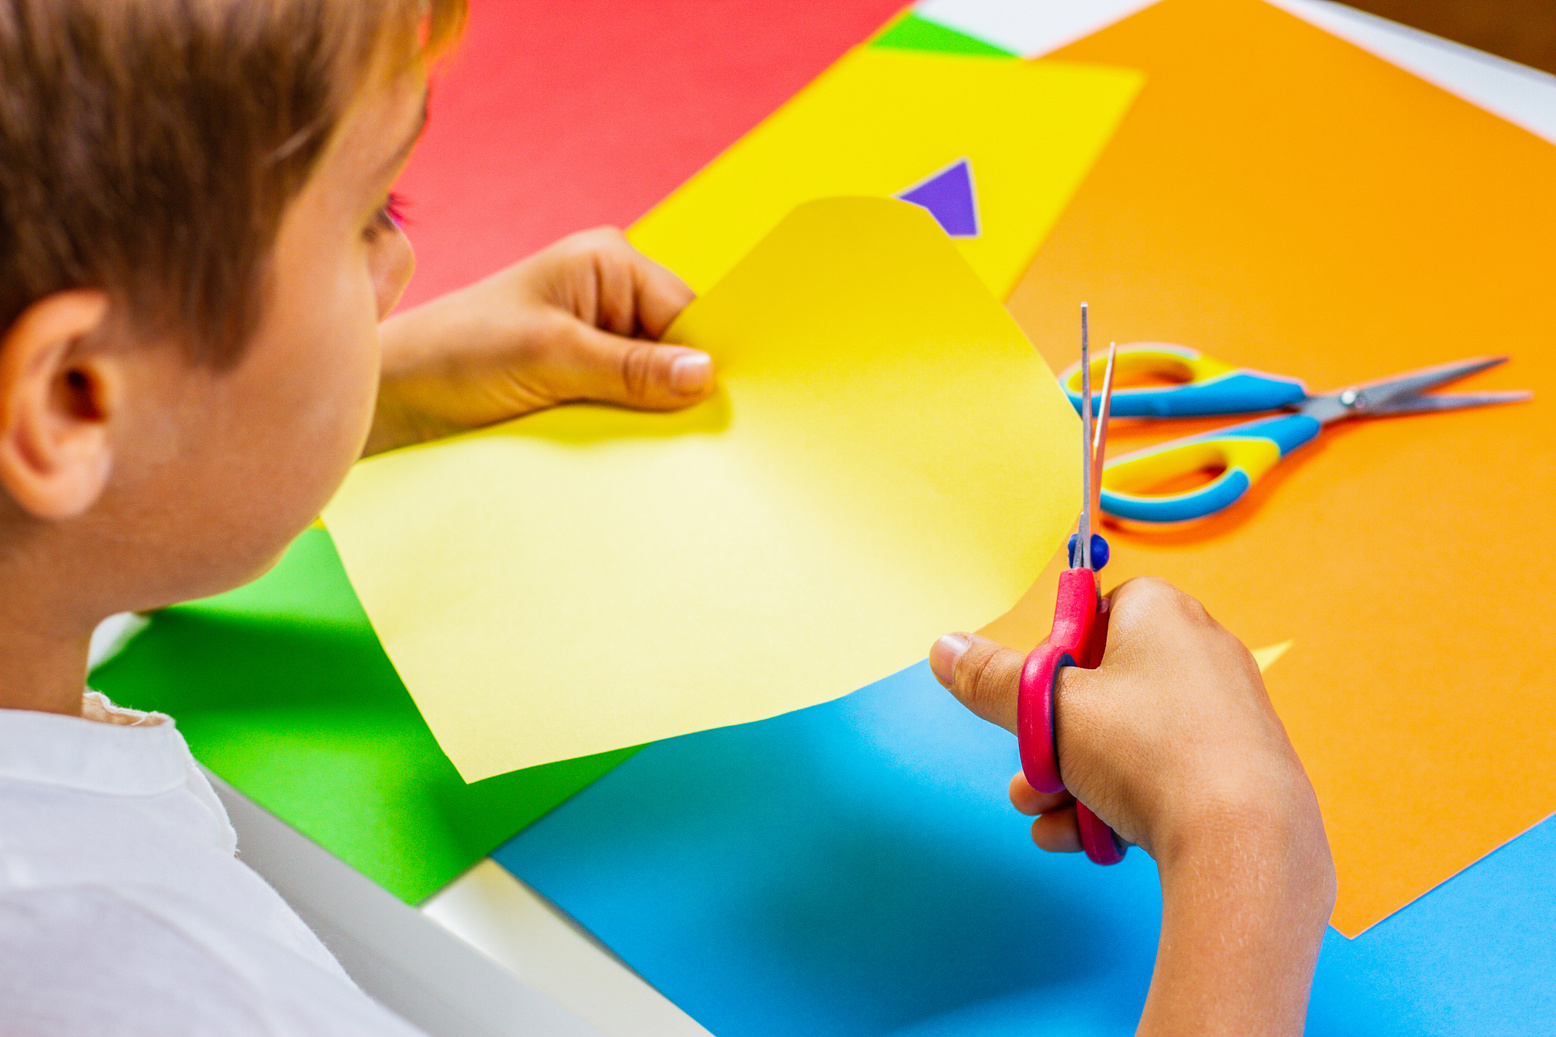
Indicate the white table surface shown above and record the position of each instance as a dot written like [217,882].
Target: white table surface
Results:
[487,955]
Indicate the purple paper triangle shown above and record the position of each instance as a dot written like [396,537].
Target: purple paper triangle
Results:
[948,195]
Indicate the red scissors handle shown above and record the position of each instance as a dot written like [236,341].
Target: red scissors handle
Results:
[1078,638]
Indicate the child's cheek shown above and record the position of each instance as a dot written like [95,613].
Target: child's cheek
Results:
[312,375]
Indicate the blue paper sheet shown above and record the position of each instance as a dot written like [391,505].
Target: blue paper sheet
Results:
[855,869]
[1477,955]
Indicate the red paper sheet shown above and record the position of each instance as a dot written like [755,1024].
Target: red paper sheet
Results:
[554,117]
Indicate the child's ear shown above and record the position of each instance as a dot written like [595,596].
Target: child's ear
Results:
[55,399]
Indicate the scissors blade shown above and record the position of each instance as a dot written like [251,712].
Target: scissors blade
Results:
[1082,554]
[1367,397]
[1099,439]
[1449,401]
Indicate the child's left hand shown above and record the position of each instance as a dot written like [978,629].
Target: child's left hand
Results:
[577,321]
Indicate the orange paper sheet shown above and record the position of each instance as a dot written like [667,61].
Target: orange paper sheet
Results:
[1281,199]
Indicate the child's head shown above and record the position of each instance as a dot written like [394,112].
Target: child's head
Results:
[193,260]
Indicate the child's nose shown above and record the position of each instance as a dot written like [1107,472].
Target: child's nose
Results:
[393,262]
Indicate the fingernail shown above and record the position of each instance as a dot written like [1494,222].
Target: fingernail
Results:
[690,373]
[944,654]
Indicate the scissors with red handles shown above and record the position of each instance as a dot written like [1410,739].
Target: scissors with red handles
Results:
[1080,629]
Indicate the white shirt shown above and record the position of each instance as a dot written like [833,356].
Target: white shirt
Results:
[122,907]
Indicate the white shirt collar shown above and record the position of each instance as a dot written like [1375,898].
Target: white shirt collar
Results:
[119,759]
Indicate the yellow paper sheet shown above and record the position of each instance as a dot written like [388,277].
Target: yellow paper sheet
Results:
[881,120]
[887,459]
[1265,657]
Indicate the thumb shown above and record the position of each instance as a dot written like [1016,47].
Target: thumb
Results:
[983,675]
[637,372]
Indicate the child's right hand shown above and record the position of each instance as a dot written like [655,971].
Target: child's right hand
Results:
[1173,742]
[1172,733]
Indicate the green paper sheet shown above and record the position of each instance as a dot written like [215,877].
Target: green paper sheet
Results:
[281,688]
[910,32]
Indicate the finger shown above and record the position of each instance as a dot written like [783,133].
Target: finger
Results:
[1148,601]
[1031,802]
[1058,832]
[636,372]
[636,294]
[661,295]
[985,676]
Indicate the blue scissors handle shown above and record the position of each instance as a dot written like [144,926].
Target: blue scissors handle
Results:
[1200,385]
[1243,454]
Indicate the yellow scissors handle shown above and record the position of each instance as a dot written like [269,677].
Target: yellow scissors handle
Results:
[1243,453]
[1198,384]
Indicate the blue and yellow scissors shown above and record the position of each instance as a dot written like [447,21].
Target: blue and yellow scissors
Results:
[1242,454]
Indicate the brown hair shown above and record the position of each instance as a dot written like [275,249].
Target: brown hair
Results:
[149,147]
